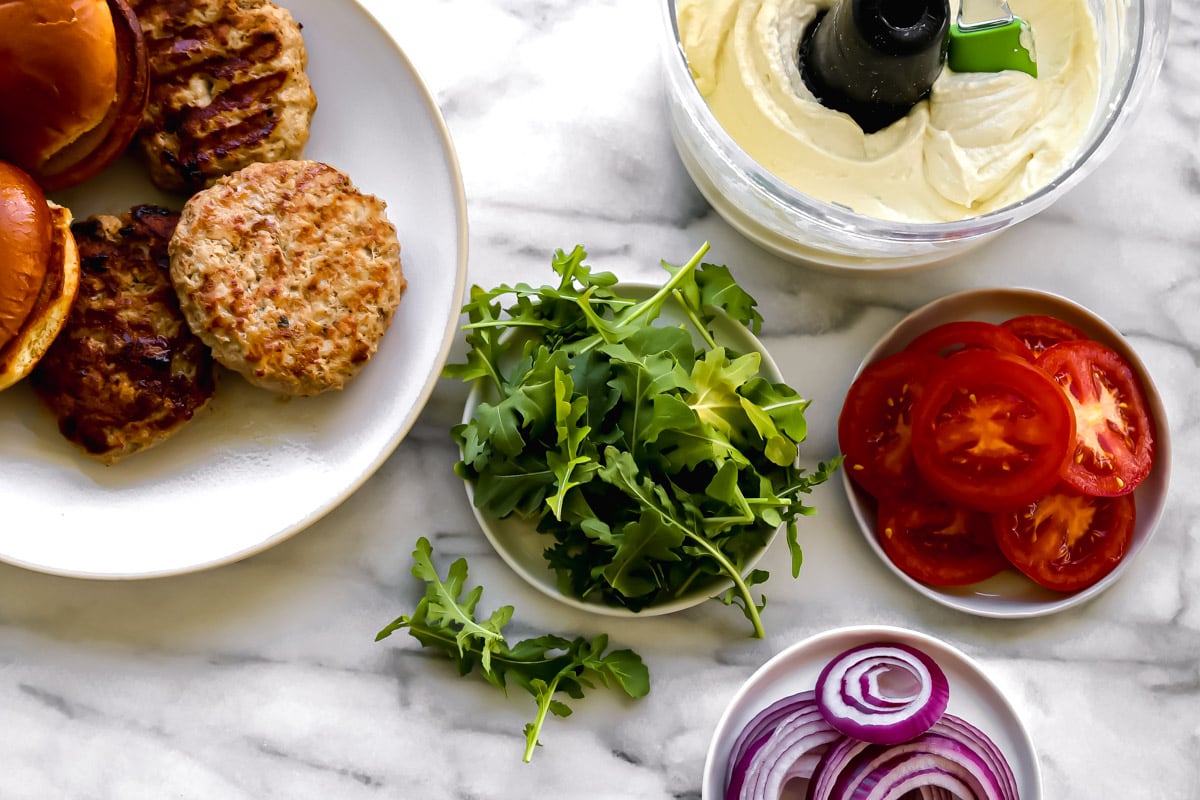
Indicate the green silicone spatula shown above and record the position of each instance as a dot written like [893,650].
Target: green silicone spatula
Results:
[986,37]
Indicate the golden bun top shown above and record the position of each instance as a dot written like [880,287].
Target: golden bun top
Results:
[73,86]
[24,247]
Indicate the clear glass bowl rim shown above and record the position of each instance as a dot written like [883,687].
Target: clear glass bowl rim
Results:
[1153,20]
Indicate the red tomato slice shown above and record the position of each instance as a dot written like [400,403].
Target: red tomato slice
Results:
[991,431]
[953,337]
[1114,434]
[1067,541]
[1040,331]
[874,428]
[938,543]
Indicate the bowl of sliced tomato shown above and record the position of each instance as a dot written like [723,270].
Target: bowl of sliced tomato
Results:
[1006,452]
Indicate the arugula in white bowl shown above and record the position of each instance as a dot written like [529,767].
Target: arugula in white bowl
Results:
[656,462]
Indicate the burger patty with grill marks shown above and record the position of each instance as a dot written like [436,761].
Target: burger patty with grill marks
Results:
[289,273]
[227,88]
[126,372]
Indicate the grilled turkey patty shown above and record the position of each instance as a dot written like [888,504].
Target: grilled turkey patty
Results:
[227,88]
[126,372]
[289,273]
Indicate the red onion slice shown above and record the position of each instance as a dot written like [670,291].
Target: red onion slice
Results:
[937,793]
[930,784]
[890,772]
[763,723]
[835,761]
[740,769]
[957,728]
[930,759]
[882,693]
[791,750]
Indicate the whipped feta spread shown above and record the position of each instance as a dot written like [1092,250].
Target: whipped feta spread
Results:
[979,142]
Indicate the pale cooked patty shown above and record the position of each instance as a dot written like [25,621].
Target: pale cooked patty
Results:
[126,372]
[289,273]
[227,88]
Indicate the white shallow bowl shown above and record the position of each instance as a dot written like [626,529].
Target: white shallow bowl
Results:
[793,225]
[254,468]
[520,545]
[1011,594]
[973,697]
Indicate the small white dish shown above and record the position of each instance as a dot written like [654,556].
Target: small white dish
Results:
[973,697]
[520,545]
[1010,594]
[255,468]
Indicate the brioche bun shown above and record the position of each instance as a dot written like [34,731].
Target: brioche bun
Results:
[24,247]
[74,82]
[39,273]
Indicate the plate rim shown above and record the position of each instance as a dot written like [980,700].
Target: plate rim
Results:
[388,446]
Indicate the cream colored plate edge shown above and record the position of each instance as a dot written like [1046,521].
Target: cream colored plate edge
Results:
[1009,594]
[254,469]
[973,697]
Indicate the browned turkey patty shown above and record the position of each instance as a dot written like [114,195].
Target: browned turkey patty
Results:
[227,88]
[289,273]
[126,372]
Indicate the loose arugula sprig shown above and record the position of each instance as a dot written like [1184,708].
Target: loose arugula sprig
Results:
[657,466]
[548,665]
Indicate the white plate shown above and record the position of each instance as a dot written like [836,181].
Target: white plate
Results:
[521,546]
[973,697]
[1011,594]
[255,468]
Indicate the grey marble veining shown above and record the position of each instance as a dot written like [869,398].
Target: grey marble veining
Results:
[262,680]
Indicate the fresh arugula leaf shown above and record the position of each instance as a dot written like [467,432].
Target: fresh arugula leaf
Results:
[484,348]
[709,287]
[718,289]
[590,372]
[686,448]
[546,666]
[517,485]
[526,407]
[724,487]
[570,468]
[742,600]
[639,379]
[782,404]
[640,545]
[778,449]
[572,269]
[443,607]
[717,379]
[669,412]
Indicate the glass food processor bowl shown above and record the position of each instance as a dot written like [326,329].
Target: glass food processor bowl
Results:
[782,219]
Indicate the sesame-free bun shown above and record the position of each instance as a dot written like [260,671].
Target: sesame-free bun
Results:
[39,277]
[24,247]
[74,83]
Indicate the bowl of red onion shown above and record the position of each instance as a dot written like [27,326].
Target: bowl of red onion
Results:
[1007,453]
[871,711]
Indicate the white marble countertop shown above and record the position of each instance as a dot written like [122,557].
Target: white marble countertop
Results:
[262,679]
